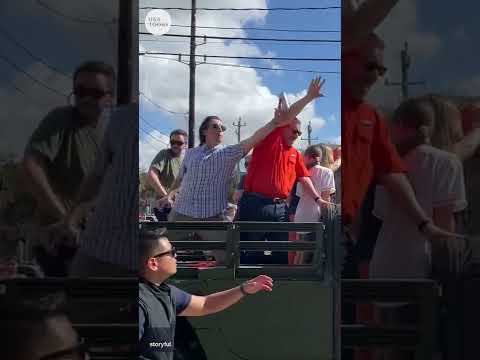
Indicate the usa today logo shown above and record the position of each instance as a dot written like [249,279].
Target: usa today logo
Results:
[158,22]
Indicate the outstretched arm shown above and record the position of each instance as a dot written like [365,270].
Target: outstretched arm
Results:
[283,118]
[213,303]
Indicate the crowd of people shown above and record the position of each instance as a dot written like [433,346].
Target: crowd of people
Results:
[197,190]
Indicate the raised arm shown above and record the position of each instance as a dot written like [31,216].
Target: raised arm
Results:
[360,22]
[283,118]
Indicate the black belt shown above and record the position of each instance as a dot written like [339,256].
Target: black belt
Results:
[266,198]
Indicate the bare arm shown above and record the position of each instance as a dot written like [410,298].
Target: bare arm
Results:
[443,217]
[326,196]
[154,181]
[35,167]
[281,118]
[401,190]
[309,188]
[364,20]
[205,305]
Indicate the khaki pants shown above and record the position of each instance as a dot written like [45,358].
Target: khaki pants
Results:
[176,235]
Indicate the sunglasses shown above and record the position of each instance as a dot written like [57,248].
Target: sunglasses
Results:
[221,128]
[80,349]
[371,66]
[82,92]
[175,142]
[172,252]
[297,132]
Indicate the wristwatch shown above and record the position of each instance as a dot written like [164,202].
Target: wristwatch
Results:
[421,227]
[242,289]
[317,198]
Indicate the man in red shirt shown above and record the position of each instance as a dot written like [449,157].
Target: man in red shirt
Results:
[274,166]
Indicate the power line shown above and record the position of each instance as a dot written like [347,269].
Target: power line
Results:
[256,29]
[245,9]
[161,41]
[154,128]
[149,134]
[31,77]
[149,143]
[161,107]
[253,67]
[33,56]
[72,18]
[242,57]
[247,39]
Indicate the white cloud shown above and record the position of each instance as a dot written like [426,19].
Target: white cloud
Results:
[150,146]
[227,92]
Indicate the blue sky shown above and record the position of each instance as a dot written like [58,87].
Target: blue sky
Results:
[232,88]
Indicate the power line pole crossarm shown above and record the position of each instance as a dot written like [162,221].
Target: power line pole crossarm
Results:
[239,128]
[405,59]
[309,134]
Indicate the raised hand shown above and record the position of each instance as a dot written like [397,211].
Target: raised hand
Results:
[260,283]
[315,88]
[281,118]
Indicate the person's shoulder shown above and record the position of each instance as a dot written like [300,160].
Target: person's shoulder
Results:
[438,158]
[61,115]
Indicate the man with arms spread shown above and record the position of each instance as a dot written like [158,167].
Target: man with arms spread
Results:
[159,303]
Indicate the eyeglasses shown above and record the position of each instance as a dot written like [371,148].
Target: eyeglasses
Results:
[172,252]
[371,66]
[80,349]
[82,92]
[297,132]
[221,128]
[175,142]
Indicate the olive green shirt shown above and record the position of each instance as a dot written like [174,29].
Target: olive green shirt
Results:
[69,147]
[167,167]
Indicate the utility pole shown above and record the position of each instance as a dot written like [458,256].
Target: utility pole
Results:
[309,134]
[192,65]
[405,64]
[238,128]
[127,36]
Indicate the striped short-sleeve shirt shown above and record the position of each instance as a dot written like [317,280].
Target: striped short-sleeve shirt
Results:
[112,230]
[205,173]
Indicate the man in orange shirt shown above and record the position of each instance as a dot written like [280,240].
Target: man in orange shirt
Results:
[271,173]
[367,152]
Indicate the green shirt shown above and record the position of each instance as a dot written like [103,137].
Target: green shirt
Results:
[167,167]
[69,148]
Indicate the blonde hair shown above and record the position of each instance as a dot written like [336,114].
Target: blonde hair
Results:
[327,157]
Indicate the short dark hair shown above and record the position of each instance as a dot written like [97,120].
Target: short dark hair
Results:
[204,126]
[148,241]
[19,315]
[97,67]
[314,150]
[179,132]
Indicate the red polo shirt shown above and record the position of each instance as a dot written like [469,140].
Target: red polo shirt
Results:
[367,152]
[274,167]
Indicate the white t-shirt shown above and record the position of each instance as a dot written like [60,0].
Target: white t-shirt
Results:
[323,181]
[401,251]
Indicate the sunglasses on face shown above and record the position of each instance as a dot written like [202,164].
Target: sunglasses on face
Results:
[221,128]
[371,66]
[80,350]
[172,252]
[297,132]
[82,92]
[175,142]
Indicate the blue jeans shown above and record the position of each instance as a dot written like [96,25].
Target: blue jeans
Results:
[258,208]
